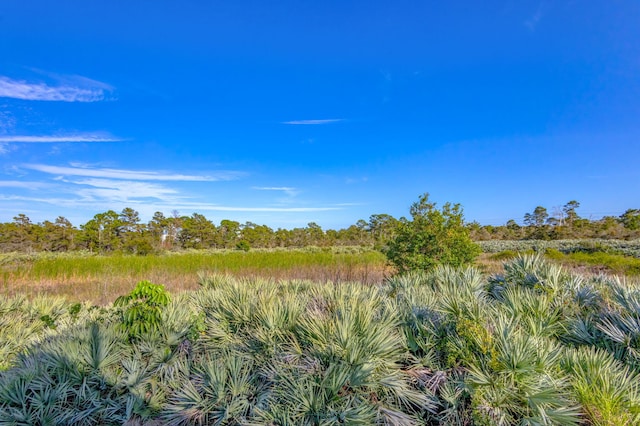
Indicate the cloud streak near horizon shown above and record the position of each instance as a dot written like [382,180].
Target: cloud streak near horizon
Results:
[130,174]
[290,191]
[85,202]
[72,89]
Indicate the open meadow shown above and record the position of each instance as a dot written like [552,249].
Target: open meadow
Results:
[83,276]
[100,279]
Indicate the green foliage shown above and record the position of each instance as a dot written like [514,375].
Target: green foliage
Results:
[433,237]
[607,389]
[504,255]
[243,245]
[533,345]
[631,219]
[142,308]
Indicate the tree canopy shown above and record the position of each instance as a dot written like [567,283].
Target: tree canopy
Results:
[433,237]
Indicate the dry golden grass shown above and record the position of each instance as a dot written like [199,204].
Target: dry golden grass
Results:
[101,279]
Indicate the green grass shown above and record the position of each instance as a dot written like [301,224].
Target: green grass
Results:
[100,278]
[599,261]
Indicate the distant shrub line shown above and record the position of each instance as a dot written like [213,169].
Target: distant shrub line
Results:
[623,247]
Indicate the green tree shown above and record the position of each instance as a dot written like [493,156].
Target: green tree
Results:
[433,237]
[229,233]
[536,223]
[382,228]
[197,232]
[158,228]
[537,218]
[569,211]
[24,233]
[102,233]
[631,219]
[315,234]
[133,234]
[58,236]
[256,235]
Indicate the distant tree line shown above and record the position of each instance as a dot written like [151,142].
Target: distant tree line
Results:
[110,232]
[559,224]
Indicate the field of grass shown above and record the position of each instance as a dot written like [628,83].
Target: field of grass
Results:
[100,279]
[533,345]
[83,276]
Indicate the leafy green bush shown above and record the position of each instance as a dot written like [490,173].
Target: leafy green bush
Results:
[434,237]
[243,245]
[142,308]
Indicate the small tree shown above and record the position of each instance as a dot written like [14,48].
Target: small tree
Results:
[142,308]
[631,219]
[433,237]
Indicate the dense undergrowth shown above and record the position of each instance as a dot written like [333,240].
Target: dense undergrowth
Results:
[533,345]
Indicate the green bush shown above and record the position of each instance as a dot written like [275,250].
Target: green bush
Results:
[434,237]
[142,308]
[243,245]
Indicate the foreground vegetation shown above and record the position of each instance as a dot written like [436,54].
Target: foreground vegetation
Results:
[532,345]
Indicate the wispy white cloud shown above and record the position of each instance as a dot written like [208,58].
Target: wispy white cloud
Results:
[350,180]
[69,89]
[313,122]
[23,184]
[7,120]
[122,191]
[534,19]
[78,170]
[213,207]
[290,191]
[86,137]
[185,206]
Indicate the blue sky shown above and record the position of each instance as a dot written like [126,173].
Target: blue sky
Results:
[287,112]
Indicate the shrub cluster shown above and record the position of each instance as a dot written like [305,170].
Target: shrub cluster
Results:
[534,345]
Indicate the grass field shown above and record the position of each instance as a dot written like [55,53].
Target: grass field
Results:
[100,279]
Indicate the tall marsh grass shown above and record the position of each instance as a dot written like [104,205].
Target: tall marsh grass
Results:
[101,278]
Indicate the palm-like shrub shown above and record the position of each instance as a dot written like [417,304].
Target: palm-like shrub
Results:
[26,322]
[67,381]
[218,391]
[521,383]
[534,345]
[608,391]
[350,365]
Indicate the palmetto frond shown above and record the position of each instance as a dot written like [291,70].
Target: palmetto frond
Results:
[608,391]
[521,383]
[221,391]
